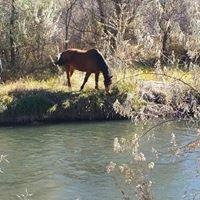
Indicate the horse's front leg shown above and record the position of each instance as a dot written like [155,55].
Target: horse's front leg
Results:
[71,72]
[87,75]
[68,77]
[96,80]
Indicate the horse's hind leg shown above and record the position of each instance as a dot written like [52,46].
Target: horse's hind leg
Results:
[87,75]
[96,80]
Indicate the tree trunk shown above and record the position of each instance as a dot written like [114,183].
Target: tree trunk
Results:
[118,12]
[66,34]
[102,16]
[68,17]
[118,4]
[166,52]
[12,42]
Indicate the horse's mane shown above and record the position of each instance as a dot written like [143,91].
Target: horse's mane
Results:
[103,67]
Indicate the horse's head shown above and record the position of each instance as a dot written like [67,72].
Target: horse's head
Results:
[107,83]
[107,78]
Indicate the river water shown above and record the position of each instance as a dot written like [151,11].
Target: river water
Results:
[68,161]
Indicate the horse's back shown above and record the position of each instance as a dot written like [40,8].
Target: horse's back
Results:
[84,60]
[90,60]
[85,53]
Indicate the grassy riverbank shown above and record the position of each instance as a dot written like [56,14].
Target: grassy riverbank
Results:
[135,94]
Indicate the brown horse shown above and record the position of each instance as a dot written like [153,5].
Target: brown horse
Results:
[90,61]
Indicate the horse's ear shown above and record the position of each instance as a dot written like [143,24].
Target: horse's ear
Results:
[52,61]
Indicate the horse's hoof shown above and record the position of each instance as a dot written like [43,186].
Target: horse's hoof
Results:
[70,89]
[107,90]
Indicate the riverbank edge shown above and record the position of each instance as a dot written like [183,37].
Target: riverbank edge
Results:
[44,106]
[23,107]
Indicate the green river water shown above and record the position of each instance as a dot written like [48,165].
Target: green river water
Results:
[68,161]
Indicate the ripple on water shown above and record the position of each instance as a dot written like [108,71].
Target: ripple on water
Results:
[67,161]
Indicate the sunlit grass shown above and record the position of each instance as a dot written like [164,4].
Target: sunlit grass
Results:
[52,84]
[127,80]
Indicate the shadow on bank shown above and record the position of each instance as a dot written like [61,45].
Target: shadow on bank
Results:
[29,106]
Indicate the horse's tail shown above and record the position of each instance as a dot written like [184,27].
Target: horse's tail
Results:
[103,68]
